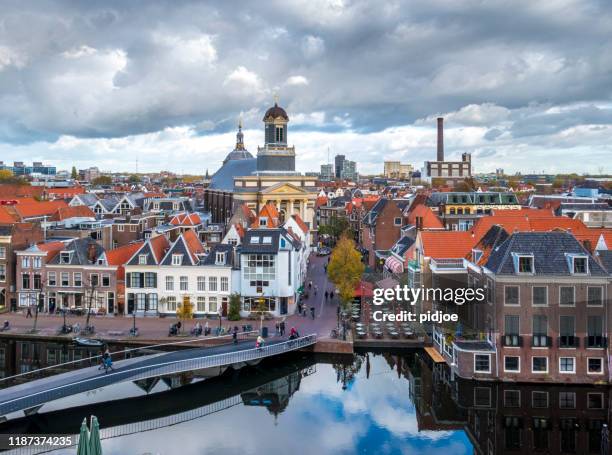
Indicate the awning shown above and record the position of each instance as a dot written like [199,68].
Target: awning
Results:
[394,265]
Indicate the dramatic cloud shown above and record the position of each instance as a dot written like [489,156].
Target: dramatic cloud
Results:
[522,84]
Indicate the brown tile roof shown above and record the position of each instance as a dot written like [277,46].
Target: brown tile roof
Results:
[11,191]
[7,217]
[193,244]
[446,244]
[271,213]
[70,212]
[159,246]
[39,209]
[120,256]
[429,219]
[300,223]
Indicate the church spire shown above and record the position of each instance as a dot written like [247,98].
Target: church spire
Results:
[239,136]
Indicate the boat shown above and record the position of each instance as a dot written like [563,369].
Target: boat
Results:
[88,342]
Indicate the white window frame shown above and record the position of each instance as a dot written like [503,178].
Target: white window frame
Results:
[602,296]
[183,283]
[519,295]
[80,279]
[169,283]
[107,277]
[482,371]
[573,298]
[177,259]
[601,359]
[519,364]
[224,284]
[567,372]
[142,259]
[120,228]
[201,283]
[49,275]
[547,364]
[532,299]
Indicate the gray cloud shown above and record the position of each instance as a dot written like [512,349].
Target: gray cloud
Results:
[120,69]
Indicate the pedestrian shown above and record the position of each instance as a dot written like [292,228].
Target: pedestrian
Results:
[304,311]
[312,312]
[29,313]
[282,328]
[325,267]
[299,307]
[277,329]
[259,343]
[293,333]
[206,328]
[179,324]
[331,295]
[316,289]
[235,335]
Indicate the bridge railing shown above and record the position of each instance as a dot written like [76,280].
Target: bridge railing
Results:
[241,336]
[147,371]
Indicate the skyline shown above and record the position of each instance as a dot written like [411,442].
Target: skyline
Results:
[165,83]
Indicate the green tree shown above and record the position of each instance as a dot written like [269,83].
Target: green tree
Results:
[345,269]
[102,180]
[74,174]
[134,178]
[335,227]
[233,313]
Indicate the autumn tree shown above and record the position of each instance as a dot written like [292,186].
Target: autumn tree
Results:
[184,310]
[345,269]
[102,180]
[6,176]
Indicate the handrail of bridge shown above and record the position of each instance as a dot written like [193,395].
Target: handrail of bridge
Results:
[140,348]
[166,368]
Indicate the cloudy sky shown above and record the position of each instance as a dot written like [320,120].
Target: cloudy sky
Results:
[524,85]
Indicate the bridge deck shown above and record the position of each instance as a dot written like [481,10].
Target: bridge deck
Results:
[37,392]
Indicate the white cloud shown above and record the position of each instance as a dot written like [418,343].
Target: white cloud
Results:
[296,80]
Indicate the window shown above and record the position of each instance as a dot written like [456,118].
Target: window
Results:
[595,338]
[539,364]
[567,331]
[525,264]
[511,295]
[511,330]
[65,257]
[105,281]
[212,283]
[594,296]
[171,303]
[220,257]
[540,330]
[141,302]
[142,259]
[25,262]
[2,252]
[136,280]
[51,279]
[177,259]
[512,364]
[2,272]
[539,295]
[397,221]
[255,240]
[512,398]
[482,363]
[566,295]
[25,281]
[184,283]
[120,228]
[263,221]
[201,304]
[279,134]
[539,399]
[65,279]
[594,365]
[567,365]
[266,240]
[201,283]
[150,280]
[482,397]
[580,265]
[595,400]
[224,284]
[133,228]
[212,304]
[110,301]
[37,262]
[78,279]
[94,279]
[567,400]
[169,283]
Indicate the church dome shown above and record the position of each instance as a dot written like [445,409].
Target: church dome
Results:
[275,112]
[239,152]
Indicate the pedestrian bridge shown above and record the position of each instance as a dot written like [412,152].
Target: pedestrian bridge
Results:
[30,396]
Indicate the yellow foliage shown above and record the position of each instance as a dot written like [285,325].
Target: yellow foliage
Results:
[184,310]
[345,268]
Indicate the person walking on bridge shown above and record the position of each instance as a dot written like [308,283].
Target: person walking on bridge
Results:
[235,334]
[259,343]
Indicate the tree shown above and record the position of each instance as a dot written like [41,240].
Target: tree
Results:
[134,178]
[91,286]
[6,176]
[233,313]
[74,174]
[102,180]
[335,227]
[184,310]
[345,269]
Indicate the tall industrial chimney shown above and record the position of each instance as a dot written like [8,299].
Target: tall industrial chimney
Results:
[440,139]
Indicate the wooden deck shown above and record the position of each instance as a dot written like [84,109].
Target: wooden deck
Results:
[435,355]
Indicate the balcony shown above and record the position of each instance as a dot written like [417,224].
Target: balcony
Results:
[596,341]
[569,341]
[541,341]
[447,265]
[512,340]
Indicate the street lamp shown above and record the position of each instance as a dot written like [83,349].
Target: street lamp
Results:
[220,313]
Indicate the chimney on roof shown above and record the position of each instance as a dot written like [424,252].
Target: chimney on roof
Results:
[91,252]
[440,139]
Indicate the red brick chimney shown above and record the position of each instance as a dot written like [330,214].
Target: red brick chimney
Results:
[440,139]
[91,252]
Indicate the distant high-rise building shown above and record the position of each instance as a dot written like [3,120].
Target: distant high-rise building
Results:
[449,172]
[349,170]
[327,172]
[397,170]
[19,168]
[339,161]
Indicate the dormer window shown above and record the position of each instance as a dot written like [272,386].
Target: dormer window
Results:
[267,240]
[476,255]
[177,259]
[255,240]
[65,257]
[220,258]
[263,221]
[578,264]
[523,263]
[142,259]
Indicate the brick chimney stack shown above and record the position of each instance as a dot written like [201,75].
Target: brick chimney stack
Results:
[440,139]
[91,252]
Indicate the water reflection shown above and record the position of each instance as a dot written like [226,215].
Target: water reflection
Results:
[376,402]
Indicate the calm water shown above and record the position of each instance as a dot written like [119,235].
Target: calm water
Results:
[371,403]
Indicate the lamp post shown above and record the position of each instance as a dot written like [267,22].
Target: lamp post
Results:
[220,313]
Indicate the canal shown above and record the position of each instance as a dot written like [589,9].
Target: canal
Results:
[369,403]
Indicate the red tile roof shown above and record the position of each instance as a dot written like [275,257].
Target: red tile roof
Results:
[446,244]
[186,219]
[11,191]
[271,213]
[193,244]
[159,246]
[429,219]
[52,248]
[300,223]
[120,256]
[72,212]
[64,192]
[524,211]
[39,209]
[6,217]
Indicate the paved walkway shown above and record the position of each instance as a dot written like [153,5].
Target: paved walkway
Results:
[156,328]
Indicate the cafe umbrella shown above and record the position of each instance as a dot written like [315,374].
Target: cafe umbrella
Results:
[95,446]
[83,447]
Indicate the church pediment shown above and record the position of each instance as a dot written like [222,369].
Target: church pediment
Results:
[283,188]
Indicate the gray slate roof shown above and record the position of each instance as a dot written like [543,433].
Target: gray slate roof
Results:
[549,251]
[80,248]
[605,257]
[88,199]
[211,259]
[223,179]
[178,247]
[269,248]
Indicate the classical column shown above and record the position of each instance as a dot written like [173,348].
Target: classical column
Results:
[290,207]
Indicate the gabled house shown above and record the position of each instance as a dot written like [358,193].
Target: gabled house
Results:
[105,206]
[381,228]
[234,235]
[86,199]
[129,203]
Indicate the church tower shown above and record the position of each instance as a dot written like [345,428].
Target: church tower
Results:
[275,156]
